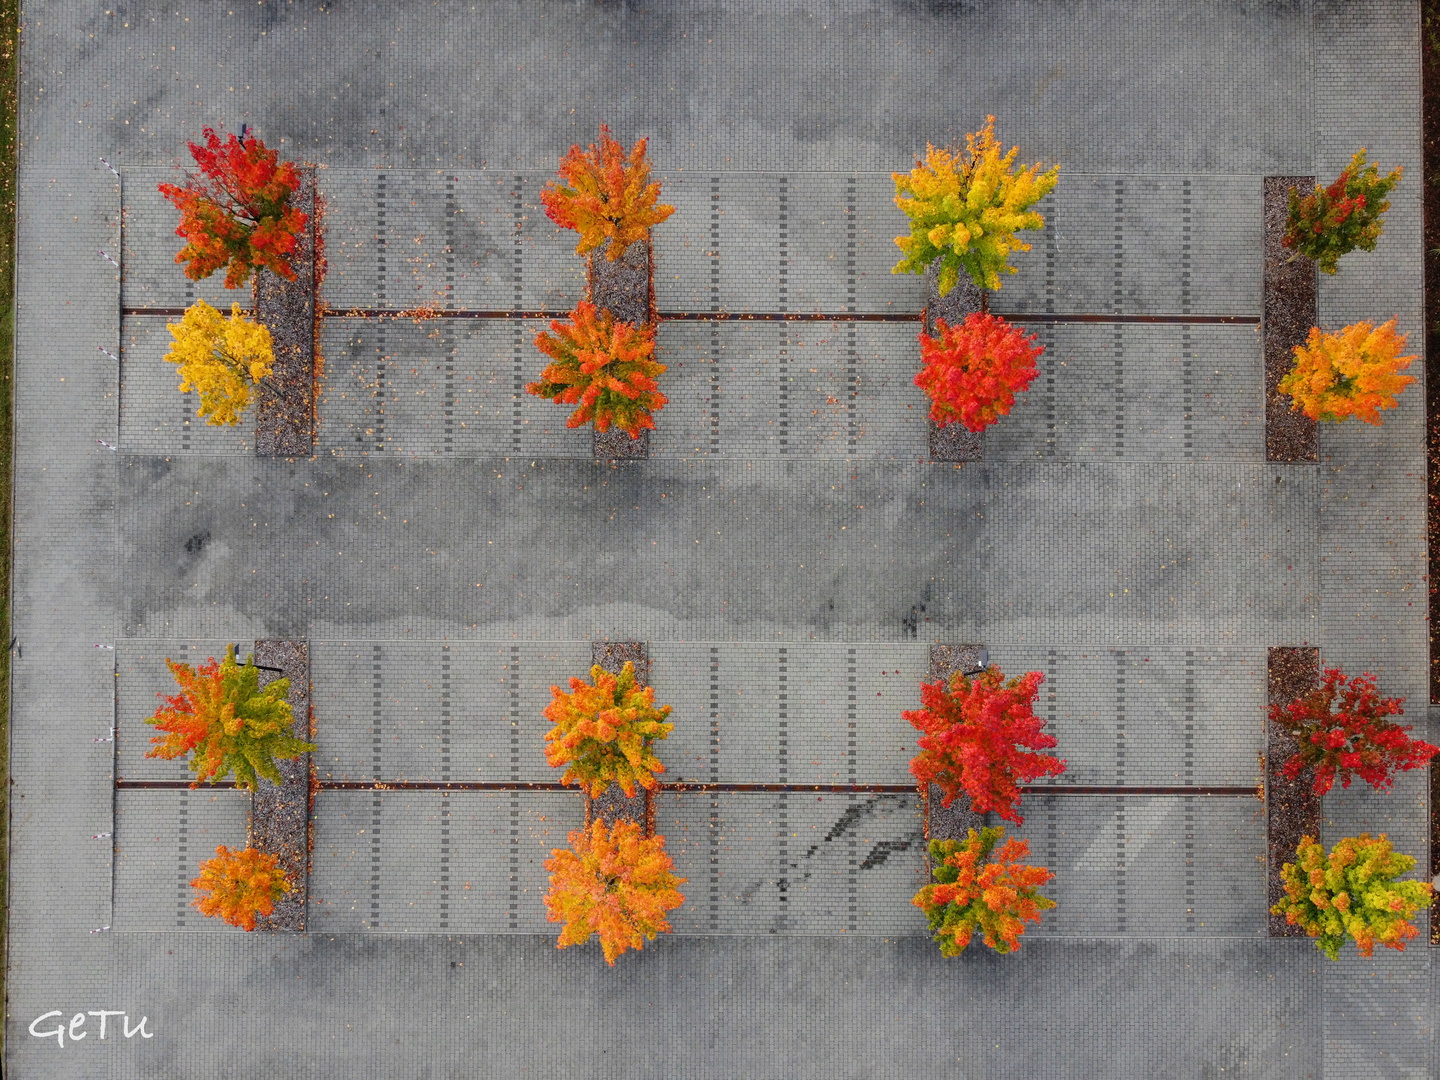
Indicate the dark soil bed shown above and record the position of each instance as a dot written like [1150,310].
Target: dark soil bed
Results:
[285,422]
[280,816]
[1293,807]
[613,804]
[1289,313]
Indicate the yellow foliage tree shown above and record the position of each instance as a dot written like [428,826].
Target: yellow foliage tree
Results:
[1352,373]
[221,358]
[965,210]
[614,883]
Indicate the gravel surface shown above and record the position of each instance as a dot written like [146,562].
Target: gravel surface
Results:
[623,288]
[285,424]
[1293,806]
[613,803]
[1289,315]
[280,816]
[953,442]
[955,821]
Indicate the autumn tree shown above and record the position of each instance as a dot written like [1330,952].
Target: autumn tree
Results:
[606,367]
[1352,373]
[1339,218]
[239,885]
[221,358]
[965,210]
[614,883]
[971,891]
[228,721]
[973,371]
[603,731]
[1352,893]
[605,196]
[235,210]
[981,736]
[1341,728]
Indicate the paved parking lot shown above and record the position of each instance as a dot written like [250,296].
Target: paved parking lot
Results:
[788,552]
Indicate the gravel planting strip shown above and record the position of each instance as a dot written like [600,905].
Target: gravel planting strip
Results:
[626,289]
[285,422]
[1289,313]
[1293,808]
[280,815]
[953,442]
[614,804]
[955,821]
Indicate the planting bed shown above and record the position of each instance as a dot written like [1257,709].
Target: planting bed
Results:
[280,814]
[613,804]
[1292,807]
[955,821]
[285,420]
[953,442]
[1289,309]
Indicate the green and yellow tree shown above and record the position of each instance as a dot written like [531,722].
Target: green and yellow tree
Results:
[1352,893]
[603,731]
[1339,218]
[614,883]
[239,885]
[221,358]
[966,210]
[228,722]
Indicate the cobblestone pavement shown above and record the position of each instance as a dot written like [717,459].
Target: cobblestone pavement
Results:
[788,553]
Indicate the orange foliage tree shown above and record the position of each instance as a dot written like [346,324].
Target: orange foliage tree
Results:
[1341,727]
[605,367]
[605,196]
[235,210]
[614,883]
[239,885]
[968,892]
[981,736]
[1352,373]
[603,731]
[228,720]
[973,371]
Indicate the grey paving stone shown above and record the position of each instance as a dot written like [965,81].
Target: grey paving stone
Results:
[161,838]
[155,418]
[1151,95]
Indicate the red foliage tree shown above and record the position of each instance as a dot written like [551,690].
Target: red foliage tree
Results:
[1341,728]
[981,736]
[973,371]
[235,210]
